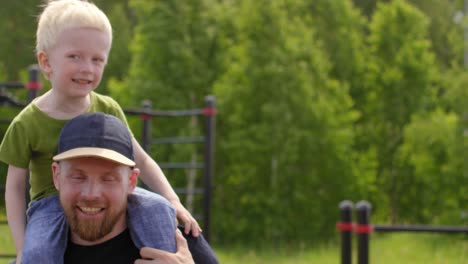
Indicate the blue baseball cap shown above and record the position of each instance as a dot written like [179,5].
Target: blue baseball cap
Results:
[96,135]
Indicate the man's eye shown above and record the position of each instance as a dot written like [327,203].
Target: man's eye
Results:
[77,177]
[109,179]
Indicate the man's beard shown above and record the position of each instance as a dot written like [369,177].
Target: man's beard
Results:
[90,229]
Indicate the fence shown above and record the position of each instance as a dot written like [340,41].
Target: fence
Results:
[209,112]
[146,115]
[363,229]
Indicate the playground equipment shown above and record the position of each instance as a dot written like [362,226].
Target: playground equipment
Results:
[146,115]
[364,229]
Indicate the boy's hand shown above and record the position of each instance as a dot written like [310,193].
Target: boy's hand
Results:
[184,216]
[182,256]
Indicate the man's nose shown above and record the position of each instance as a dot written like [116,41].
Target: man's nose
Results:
[91,190]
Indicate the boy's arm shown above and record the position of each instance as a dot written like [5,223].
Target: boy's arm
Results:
[152,175]
[15,201]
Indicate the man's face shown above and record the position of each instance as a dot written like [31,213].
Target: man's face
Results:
[93,195]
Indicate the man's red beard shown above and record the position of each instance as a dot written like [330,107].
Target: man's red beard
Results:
[91,229]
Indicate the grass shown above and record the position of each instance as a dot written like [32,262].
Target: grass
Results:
[6,243]
[401,248]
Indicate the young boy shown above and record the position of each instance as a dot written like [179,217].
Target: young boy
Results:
[73,43]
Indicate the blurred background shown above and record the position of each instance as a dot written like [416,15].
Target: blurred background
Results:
[318,101]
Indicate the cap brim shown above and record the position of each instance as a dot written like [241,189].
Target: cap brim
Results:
[95,152]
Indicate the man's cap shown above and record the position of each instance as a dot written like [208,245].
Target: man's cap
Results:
[96,135]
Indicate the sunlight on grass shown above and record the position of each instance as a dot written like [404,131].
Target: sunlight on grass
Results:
[402,248]
[239,255]
[6,243]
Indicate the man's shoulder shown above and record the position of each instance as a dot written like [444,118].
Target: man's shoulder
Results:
[142,196]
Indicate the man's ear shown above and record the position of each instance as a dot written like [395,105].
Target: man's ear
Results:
[133,179]
[55,174]
[43,60]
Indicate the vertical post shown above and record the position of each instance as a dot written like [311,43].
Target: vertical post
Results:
[464,132]
[145,129]
[34,83]
[210,113]
[346,229]
[363,229]
[465,35]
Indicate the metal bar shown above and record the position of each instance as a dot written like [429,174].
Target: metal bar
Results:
[346,229]
[8,256]
[12,85]
[159,113]
[171,140]
[185,191]
[5,120]
[363,230]
[420,228]
[34,83]
[8,99]
[181,165]
[210,114]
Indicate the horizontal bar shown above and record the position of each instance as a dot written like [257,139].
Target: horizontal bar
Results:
[181,165]
[185,191]
[420,228]
[12,85]
[197,216]
[6,100]
[3,222]
[178,140]
[160,113]
[5,120]
[7,256]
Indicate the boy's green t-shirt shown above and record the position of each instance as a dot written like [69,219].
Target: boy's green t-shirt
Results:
[31,141]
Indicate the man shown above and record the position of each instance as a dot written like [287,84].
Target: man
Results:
[94,174]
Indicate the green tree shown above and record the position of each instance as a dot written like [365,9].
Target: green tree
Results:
[285,132]
[17,43]
[173,64]
[400,75]
[433,158]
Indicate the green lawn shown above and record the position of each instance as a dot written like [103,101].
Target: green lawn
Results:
[402,248]
[6,243]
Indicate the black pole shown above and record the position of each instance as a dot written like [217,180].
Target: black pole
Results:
[363,229]
[34,83]
[210,113]
[346,228]
[145,130]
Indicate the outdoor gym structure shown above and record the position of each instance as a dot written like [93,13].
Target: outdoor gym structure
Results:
[146,115]
[363,229]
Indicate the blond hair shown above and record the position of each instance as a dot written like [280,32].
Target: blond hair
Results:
[63,14]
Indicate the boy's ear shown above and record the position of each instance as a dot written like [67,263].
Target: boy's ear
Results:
[43,60]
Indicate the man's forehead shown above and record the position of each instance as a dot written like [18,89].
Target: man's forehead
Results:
[92,163]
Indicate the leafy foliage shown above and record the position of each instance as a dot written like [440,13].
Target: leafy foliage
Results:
[318,101]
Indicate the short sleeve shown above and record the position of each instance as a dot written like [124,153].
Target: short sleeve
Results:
[15,149]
